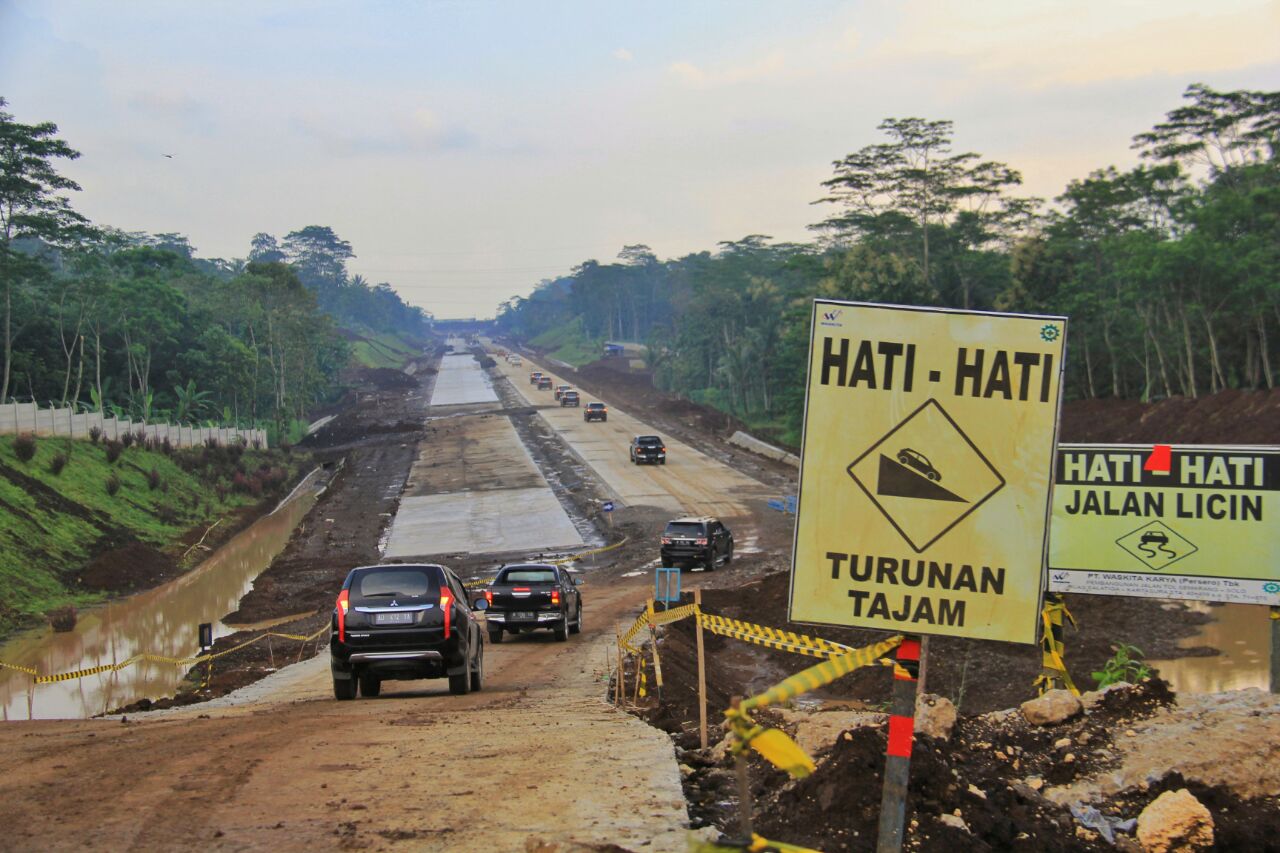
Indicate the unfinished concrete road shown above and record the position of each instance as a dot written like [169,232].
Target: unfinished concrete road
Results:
[691,482]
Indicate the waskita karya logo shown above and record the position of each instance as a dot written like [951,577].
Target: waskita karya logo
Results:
[832,317]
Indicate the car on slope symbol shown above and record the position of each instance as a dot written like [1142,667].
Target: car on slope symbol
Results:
[917,460]
[1155,537]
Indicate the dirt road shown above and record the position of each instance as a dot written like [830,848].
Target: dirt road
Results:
[538,754]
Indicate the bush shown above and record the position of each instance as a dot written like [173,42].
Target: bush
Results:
[114,449]
[95,433]
[127,439]
[221,491]
[153,479]
[57,463]
[1125,665]
[113,485]
[140,439]
[24,447]
[166,446]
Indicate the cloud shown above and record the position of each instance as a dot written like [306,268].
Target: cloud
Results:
[772,66]
[417,131]
[1069,43]
[623,55]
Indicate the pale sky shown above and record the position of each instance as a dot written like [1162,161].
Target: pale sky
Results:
[469,149]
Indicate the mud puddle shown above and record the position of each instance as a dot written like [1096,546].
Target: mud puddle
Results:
[1242,635]
[162,621]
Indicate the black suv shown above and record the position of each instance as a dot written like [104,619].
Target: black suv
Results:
[570,398]
[595,412]
[695,541]
[648,448]
[404,622]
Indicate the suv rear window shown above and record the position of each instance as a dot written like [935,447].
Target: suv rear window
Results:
[527,576]
[685,529]
[595,406]
[649,441]
[396,583]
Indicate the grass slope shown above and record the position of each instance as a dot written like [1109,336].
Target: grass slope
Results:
[569,343]
[382,349]
[52,525]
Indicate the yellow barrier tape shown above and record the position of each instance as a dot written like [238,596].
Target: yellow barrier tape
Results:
[774,746]
[756,845]
[27,669]
[581,554]
[1054,668]
[150,658]
[774,638]
[666,617]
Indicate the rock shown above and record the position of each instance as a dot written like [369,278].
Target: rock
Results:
[1062,743]
[1052,708]
[935,716]
[976,791]
[686,771]
[1035,783]
[818,730]
[1175,821]
[954,822]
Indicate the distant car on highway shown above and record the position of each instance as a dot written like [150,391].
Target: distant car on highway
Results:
[531,596]
[595,412]
[569,398]
[917,460]
[648,448]
[560,389]
[534,377]
[515,360]
[694,541]
[544,382]
[404,622]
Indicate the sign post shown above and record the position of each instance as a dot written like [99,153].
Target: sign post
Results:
[925,485]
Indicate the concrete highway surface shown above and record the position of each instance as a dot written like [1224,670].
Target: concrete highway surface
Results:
[537,755]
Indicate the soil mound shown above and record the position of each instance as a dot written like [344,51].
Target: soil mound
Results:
[1228,417]
[126,568]
[387,379]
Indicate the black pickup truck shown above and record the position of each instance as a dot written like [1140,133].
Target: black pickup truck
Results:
[648,448]
[529,596]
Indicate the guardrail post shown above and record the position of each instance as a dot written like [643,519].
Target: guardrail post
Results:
[897,763]
[702,672]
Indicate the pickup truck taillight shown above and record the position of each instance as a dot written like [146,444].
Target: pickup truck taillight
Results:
[555,596]
[699,542]
[446,605]
[488,596]
[342,605]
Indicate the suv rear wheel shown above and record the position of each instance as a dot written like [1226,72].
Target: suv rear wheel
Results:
[495,635]
[344,688]
[370,685]
[477,674]
[562,630]
[710,562]
[576,627]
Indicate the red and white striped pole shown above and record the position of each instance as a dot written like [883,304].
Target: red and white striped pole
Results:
[897,762]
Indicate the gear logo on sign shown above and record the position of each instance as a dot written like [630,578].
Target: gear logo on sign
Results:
[1156,545]
[926,476]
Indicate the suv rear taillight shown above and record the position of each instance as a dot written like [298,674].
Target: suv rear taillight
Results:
[342,605]
[488,596]
[555,597]
[699,542]
[666,540]
[446,605]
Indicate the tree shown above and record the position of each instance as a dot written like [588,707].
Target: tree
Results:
[265,250]
[30,207]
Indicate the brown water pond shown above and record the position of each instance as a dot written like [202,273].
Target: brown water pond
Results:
[161,621]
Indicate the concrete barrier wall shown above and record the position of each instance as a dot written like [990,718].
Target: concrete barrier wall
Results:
[755,445]
[18,418]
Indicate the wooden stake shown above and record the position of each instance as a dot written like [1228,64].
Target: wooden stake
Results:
[702,673]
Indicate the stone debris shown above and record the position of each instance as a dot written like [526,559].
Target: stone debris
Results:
[1175,821]
[935,716]
[1053,707]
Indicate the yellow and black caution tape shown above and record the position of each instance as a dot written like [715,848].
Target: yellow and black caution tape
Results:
[643,689]
[1053,668]
[775,746]
[756,845]
[575,557]
[774,638]
[150,658]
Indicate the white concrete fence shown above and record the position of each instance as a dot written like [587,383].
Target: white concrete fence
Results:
[18,418]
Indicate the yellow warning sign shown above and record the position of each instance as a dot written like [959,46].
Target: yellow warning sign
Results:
[926,470]
[1170,521]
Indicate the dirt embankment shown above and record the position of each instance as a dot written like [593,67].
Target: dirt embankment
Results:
[371,445]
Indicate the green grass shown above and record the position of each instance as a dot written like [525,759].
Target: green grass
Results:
[382,349]
[48,536]
[569,343]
